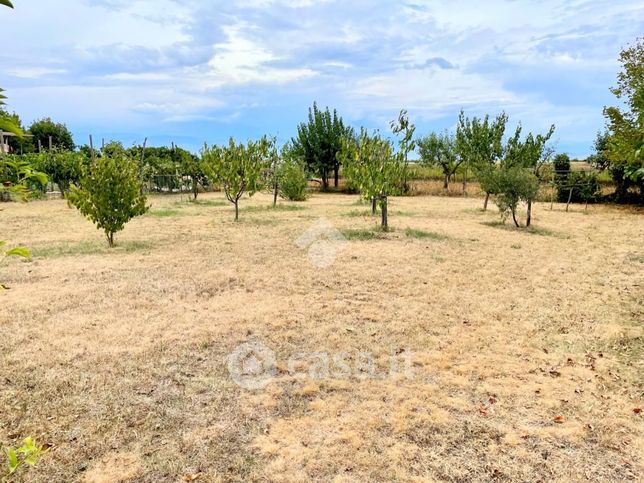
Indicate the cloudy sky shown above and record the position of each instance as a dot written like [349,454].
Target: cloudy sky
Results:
[191,71]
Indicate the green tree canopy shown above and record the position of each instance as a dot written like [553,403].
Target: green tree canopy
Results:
[109,193]
[372,167]
[61,137]
[440,150]
[237,167]
[319,140]
[626,124]
[479,143]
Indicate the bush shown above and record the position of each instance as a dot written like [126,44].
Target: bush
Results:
[293,180]
[585,187]
[110,194]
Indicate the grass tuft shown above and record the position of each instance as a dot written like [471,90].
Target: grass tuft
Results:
[413,233]
[67,249]
[163,213]
[278,207]
[362,234]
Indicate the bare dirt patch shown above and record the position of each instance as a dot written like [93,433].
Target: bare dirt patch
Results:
[526,346]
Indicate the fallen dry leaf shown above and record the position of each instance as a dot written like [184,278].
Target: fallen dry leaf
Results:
[637,410]
[559,419]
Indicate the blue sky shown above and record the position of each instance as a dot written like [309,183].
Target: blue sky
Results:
[191,71]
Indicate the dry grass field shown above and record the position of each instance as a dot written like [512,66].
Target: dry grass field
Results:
[525,347]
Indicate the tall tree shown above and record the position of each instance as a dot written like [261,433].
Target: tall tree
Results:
[626,125]
[43,129]
[479,143]
[440,150]
[318,142]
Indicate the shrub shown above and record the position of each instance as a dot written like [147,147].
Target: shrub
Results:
[110,194]
[293,180]
[585,187]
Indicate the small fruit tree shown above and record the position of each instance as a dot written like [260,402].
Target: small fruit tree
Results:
[479,143]
[110,193]
[238,167]
[440,150]
[531,155]
[371,165]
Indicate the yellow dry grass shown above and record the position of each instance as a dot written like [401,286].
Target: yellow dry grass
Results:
[117,358]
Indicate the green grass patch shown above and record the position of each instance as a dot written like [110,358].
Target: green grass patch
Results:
[359,213]
[363,234]
[260,221]
[413,233]
[163,213]
[532,230]
[198,202]
[278,207]
[69,249]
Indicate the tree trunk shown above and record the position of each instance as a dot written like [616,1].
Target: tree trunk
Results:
[336,175]
[514,218]
[325,181]
[110,239]
[195,188]
[275,193]
[487,198]
[529,214]
[465,183]
[374,205]
[569,198]
[383,206]
[446,182]
[236,210]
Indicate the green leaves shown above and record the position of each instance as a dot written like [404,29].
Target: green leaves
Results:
[110,194]
[6,3]
[440,150]
[320,140]
[238,167]
[372,168]
[27,454]
[18,252]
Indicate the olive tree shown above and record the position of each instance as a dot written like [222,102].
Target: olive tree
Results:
[515,184]
[374,169]
[237,167]
[440,150]
[479,143]
[109,193]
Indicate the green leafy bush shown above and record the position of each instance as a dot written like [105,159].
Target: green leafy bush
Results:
[585,187]
[293,180]
[110,194]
